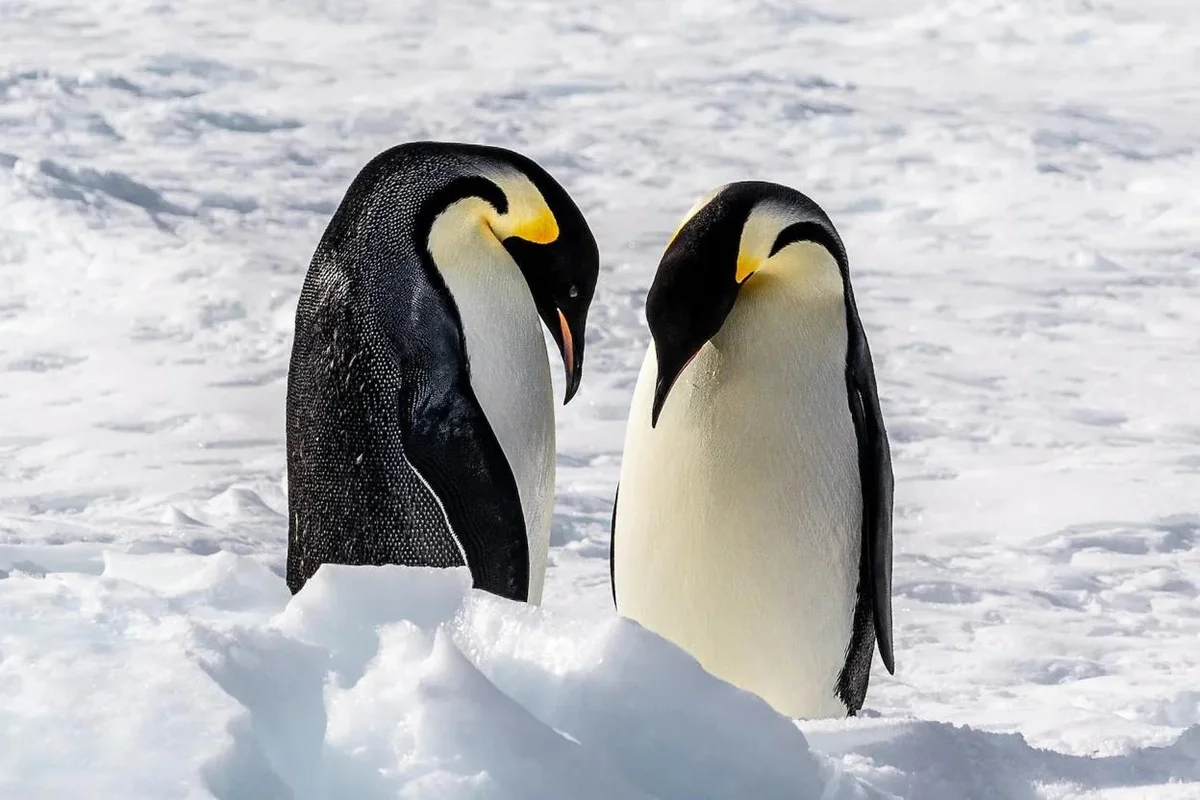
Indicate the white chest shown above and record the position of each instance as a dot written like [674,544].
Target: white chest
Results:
[738,531]
[510,375]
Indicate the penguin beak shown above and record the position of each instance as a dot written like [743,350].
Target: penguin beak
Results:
[662,387]
[571,347]
[563,310]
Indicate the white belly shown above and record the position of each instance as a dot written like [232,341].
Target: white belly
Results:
[738,519]
[510,375]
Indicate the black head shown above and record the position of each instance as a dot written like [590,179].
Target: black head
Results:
[535,220]
[560,262]
[719,246]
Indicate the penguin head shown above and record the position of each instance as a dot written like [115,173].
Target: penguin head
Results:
[511,198]
[731,234]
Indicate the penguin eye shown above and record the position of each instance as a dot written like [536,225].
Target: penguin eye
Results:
[573,292]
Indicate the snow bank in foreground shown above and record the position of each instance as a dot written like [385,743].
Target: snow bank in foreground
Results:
[180,675]
[173,671]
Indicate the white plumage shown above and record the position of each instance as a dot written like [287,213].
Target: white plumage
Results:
[738,525]
[510,371]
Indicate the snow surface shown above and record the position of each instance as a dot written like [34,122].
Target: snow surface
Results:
[1017,185]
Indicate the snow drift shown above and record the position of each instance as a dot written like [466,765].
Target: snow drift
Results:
[372,682]
[179,675]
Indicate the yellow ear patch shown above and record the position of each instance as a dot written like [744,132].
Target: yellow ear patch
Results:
[528,216]
[540,229]
[762,227]
[746,266]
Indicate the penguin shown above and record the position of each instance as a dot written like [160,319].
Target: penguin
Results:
[420,410]
[753,520]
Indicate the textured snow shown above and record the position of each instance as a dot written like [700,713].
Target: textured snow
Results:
[1016,184]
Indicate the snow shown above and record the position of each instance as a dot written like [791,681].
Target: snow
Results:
[1016,186]
[373,682]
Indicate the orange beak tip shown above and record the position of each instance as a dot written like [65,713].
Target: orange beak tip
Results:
[568,354]
[568,344]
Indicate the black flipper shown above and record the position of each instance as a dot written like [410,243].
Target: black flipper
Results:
[452,447]
[875,475]
[612,547]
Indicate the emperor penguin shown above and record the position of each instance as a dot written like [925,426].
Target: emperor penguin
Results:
[420,410]
[753,523]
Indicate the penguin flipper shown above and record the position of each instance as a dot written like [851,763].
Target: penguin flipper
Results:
[875,475]
[612,547]
[450,444]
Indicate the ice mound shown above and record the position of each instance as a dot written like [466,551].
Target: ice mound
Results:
[184,675]
[434,690]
